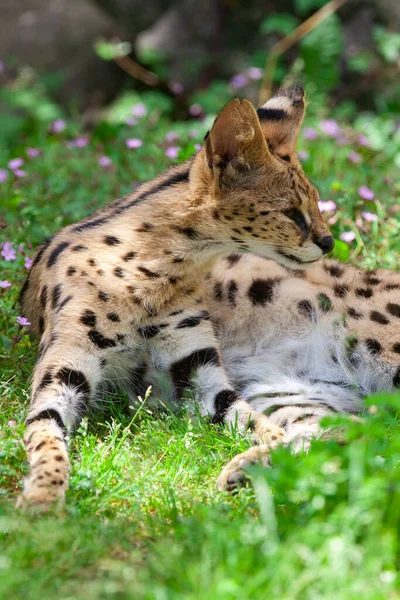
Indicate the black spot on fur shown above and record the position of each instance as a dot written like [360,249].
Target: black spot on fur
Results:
[148,273]
[232,260]
[152,330]
[55,253]
[103,296]
[248,228]
[364,292]
[396,348]
[172,280]
[49,414]
[222,402]
[129,256]
[216,215]
[392,286]
[79,248]
[111,240]
[46,380]
[193,320]
[378,317]
[75,379]
[92,262]
[232,291]
[88,318]
[218,293]
[271,114]
[182,370]
[71,271]
[393,309]
[370,279]
[100,340]
[43,297]
[64,302]
[264,212]
[55,296]
[145,227]
[178,259]
[373,346]
[334,270]
[396,378]
[340,290]
[324,302]
[189,232]
[261,291]
[297,217]
[113,317]
[352,312]
[118,272]
[306,308]
[23,290]
[41,325]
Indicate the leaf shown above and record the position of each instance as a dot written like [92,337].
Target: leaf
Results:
[279,23]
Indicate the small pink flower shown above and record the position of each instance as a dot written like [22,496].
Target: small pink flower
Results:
[239,81]
[28,263]
[23,321]
[195,110]
[15,163]
[130,121]
[354,157]
[310,133]
[20,248]
[365,193]
[133,143]
[8,252]
[5,284]
[330,127]
[171,136]
[3,175]
[303,155]
[176,88]
[197,147]
[363,140]
[255,73]
[1,66]
[105,161]
[20,173]
[32,152]
[79,142]
[11,423]
[139,110]
[172,152]
[348,236]
[326,205]
[370,217]
[58,126]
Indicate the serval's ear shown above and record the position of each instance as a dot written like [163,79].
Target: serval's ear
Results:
[281,118]
[235,145]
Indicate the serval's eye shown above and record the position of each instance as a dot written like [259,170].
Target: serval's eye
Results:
[297,216]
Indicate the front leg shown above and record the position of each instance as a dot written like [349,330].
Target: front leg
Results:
[187,349]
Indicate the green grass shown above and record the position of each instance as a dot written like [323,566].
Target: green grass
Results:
[143,519]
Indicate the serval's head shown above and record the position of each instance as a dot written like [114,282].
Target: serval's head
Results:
[262,200]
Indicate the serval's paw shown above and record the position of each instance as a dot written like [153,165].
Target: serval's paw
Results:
[263,431]
[233,475]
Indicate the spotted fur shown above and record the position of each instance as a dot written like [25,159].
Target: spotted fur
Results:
[119,294]
[300,345]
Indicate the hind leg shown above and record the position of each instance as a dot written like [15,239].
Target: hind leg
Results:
[64,384]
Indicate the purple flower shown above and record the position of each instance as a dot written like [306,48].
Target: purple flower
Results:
[20,173]
[8,252]
[195,110]
[23,321]
[130,121]
[3,175]
[20,248]
[348,236]
[172,152]
[28,263]
[105,161]
[310,133]
[32,152]
[176,87]
[11,423]
[326,205]
[133,143]
[365,193]
[79,142]
[5,284]
[255,73]
[303,155]
[171,136]
[354,157]
[330,127]
[363,141]
[58,126]
[197,147]
[370,217]
[15,163]
[139,110]
[239,81]
[1,66]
